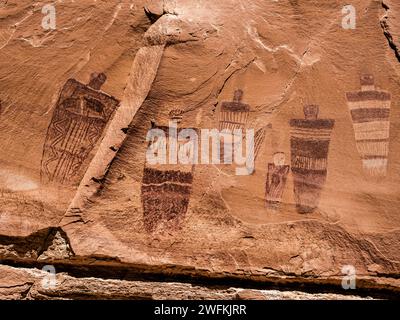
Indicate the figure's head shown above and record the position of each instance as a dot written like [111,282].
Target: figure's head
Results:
[279,159]
[97,80]
[367,82]
[176,115]
[311,112]
[367,79]
[238,95]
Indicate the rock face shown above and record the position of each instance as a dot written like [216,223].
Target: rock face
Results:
[78,100]
[28,284]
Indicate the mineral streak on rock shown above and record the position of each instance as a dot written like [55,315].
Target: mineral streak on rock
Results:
[142,74]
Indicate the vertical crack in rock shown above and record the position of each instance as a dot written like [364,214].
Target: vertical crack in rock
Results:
[386,31]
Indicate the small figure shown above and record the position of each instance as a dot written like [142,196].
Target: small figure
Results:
[276,180]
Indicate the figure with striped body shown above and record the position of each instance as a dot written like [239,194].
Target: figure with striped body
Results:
[167,181]
[309,142]
[370,113]
[233,115]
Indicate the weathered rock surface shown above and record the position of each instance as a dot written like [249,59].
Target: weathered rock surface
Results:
[33,285]
[75,185]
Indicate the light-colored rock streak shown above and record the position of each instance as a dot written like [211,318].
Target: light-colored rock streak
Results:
[143,72]
[5,37]
[142,75]
[114,17]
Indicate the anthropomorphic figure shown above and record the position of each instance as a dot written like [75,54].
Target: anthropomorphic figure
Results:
[166,187]
[232,115]
[370,113]
[276,180]
[80,117]
[309,142]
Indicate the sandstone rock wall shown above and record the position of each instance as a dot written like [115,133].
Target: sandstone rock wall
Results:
[78,101]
